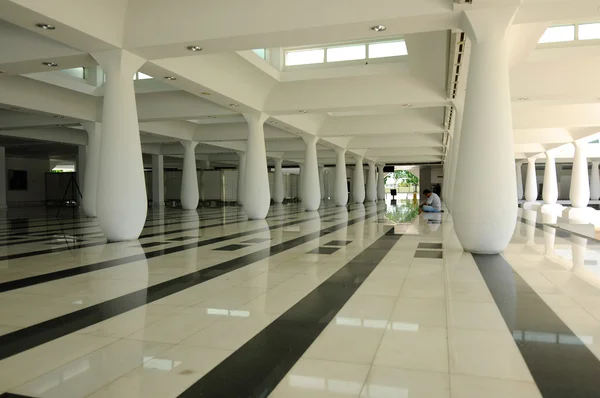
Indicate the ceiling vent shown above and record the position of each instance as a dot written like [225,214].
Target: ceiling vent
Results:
[463,1]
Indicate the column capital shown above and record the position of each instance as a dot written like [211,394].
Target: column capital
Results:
[119,60]
[278,161]
[488,24]
[256,117]
[371,163]
[188,144]
[359,159]
[310,139]
[339,150]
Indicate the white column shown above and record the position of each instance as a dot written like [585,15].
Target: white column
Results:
[311,194]
[121,201]
[278,193]
[257,197]
[531,187]
[550,190]
[158,181]
[455,151]
[358,181]
[380,182]
[189,177]
[300,182]
[519,173]
[580,187]
[241,178]
[595,182]
[80,169]
[485,163]
[2,178]
[340,194]
[322,181]
[371,183]
[90,184]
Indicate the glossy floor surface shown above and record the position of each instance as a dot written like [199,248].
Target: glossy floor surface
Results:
[364,301]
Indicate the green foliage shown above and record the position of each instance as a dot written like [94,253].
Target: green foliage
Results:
[408,179]
[404,213]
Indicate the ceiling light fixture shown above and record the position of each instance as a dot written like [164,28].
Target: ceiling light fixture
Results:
[45,26]
[523,99]
[194,48]
[170,78]
[60,125]
[234,105]
[205,93]
[50,64]
[302,111]
[58,117]
[407,105]
[378,28]
[273,121]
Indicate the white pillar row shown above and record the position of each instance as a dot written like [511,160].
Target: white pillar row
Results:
[278,193]
[595,182]
[371,183]
[189,177]
[2,178]
[80,168]
[579,193]
[531,186]
[158,181]
[340,194]
[90,183]
[241,178]
[311,194]
[518,166]
[256,194]
[550,190]
[322,181]
[454,150]
[380,182]
[121,201]
[358,181]
[485,163]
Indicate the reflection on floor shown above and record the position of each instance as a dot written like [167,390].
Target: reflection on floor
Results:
[365,301]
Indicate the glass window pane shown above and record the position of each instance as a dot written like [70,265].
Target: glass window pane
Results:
[589,31]
[75,72]
[389,49]
[346,53]
[305,57]
[261,52]
[556,34]
[142,76]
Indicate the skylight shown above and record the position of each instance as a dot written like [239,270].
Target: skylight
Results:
[261,52]
[589,31]
[389,49]
[305,57]
[557,34]
[346,53]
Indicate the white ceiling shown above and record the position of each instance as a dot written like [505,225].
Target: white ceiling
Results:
[391,111]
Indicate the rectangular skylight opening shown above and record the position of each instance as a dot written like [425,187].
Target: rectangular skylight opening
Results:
[589,31]
[346,53]
[305,57]
[389,49]
[261,52]
[558,34]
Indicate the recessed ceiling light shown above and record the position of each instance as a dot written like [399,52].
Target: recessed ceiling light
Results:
[45,26]
[523,99]
[58,116]
[194,48]
[60,125]
[234,105]
[212,117]
[378,28]
[302,111]
[273,121]
[205,93]
[407,105]
[51,64]
[170,78]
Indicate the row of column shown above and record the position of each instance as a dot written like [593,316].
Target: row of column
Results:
[583,187]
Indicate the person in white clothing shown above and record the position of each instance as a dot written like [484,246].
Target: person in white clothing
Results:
[432,203]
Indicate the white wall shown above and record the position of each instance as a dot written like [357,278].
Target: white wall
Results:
[35,195]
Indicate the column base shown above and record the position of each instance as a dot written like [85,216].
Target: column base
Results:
[553,209]
[584,215]
[531,205]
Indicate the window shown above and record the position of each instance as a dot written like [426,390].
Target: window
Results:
[346,53]
[261,52]
[589,31]
[557,34]
[75,72]
[17,180]
[389,49]
[142,76]
[305,57]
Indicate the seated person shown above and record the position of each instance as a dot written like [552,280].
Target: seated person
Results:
[432,203]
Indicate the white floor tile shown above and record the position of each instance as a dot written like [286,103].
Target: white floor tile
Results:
[388,382]
[475,315]
[477,387]
[424,312]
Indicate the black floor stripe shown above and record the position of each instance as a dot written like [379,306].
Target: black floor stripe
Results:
[35,335]
[69,272]
[256,368]
[560,363]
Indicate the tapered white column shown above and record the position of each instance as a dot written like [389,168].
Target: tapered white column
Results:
[158,181]
[300,182]
[531,186]
[256,194]
[311,194]
[189,177]
[519,173]
[595,182]
[371,183]
[90,183]
[550,190]
[80,168]
[121,201]
[340,194]
[380,182]
[485,164]
[322,181]
[278,193]
[2,178]
[358,181]
[455,151]
[241,178]
[580,188]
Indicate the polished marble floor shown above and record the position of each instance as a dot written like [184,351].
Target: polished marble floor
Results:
[365,301]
